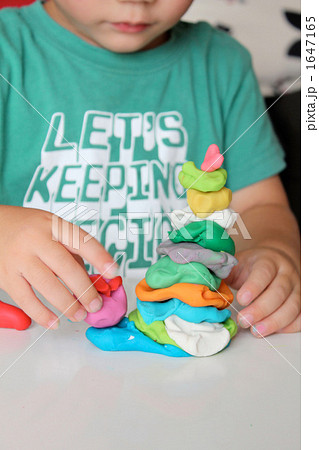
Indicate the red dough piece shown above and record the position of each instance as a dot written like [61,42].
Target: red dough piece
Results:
[105,287]
[13,317]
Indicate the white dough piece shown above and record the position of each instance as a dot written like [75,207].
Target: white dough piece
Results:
[181,217]
[197,339]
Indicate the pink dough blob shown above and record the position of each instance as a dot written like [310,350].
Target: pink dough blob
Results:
[213,159]
[114,304]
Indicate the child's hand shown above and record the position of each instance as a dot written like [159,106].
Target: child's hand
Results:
[269,282]
[31,256]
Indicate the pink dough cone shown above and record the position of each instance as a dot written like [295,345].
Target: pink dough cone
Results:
[213,159]
[113,310]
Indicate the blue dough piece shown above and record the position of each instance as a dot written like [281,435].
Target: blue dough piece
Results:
[151,311]
[126,337]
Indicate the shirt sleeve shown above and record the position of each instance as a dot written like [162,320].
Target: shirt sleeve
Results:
[252,150]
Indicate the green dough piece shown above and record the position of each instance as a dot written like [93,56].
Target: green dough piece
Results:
[191,177]
[165,272]
[156,330]
[231,326]
[206,233]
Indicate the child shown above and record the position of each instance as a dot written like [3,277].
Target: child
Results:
[101,103]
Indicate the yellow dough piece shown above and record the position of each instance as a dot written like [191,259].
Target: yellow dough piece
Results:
[203,204]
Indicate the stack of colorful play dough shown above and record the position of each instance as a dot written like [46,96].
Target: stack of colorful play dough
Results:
[182,301]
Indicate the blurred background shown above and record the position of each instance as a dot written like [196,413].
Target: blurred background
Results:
[271,32]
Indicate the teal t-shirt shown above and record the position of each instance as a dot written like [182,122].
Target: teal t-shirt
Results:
[99,138]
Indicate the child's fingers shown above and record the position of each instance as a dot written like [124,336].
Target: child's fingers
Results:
[21,292]
[262,274]
[270,300]
[79,260]
[63,264]
[293,327]
[47,284]
[280,319]
[83,244]
[237,276]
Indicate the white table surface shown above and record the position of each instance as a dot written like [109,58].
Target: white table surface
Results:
[64,393]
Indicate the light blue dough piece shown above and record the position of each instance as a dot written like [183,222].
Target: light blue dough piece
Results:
[126,337]
[151,311]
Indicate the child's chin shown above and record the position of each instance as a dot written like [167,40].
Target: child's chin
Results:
[124,43]
[118,47]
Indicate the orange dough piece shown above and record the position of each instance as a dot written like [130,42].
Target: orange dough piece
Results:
[192,294]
